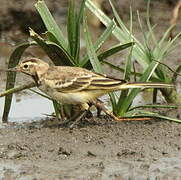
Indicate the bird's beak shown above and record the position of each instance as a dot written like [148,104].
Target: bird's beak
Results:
[15,69]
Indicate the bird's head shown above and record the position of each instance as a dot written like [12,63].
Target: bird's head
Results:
[31,66]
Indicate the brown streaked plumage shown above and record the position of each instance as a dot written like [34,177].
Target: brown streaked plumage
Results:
[75,85]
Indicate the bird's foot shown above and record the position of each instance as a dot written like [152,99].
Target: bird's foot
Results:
[71,122]
[100,107]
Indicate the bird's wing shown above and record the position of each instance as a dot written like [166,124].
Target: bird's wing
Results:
[81,80]
[70,84]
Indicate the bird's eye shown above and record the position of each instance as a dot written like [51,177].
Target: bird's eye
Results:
[25,66]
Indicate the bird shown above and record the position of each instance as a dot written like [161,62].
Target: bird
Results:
[76,85]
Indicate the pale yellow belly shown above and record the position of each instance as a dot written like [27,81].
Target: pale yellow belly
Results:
[73,98]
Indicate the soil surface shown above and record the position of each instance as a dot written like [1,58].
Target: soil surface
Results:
[97,148]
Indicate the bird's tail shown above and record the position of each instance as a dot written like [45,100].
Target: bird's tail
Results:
[145,85]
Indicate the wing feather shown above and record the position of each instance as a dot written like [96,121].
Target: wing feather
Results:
[71,79]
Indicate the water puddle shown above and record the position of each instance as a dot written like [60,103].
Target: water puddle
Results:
[28,108]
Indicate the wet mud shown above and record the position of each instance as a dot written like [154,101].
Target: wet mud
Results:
[96,149]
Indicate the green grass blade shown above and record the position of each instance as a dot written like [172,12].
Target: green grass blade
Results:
[161,51]
[50,23]
[109,53]
[57,54]
[50,37]
[90,48]
[127,72]
[11,76]
[156,106]
[113,102]
[78,28]
[71,27]
[120,22]
[167,118]
[127,75]
[146,47]
[166,48]
[114,50]
[57,108]
[129,99]
[141,113]
[149,24]
[40,94]
[115,67]
[178,70]
[104,36]
[17,89]
[128,66]
[165,37]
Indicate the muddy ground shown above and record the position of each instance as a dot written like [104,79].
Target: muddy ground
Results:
[97,148]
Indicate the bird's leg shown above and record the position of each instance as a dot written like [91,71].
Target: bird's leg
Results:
[81,115]
[100,107]
[63,116]
[84,108]
[97,107]
[89,113]
[99,112]
[75,111]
